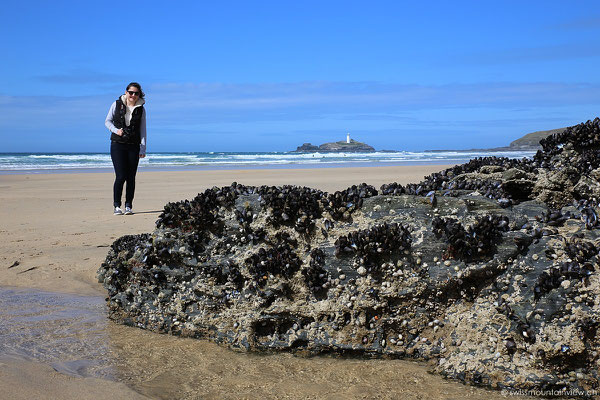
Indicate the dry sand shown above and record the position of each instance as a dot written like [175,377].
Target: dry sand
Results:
[58,228]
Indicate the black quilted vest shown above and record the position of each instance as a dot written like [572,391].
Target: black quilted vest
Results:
[131,133]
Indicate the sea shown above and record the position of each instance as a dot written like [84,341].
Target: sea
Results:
[14,163]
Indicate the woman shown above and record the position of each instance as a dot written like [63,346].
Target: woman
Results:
[126,120]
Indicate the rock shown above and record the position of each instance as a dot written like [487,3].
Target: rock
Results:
[335,147]
[513,174]
[307,147]
[353,146]
[297,269]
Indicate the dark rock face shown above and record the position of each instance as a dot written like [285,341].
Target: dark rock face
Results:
[307,147]
[487,269]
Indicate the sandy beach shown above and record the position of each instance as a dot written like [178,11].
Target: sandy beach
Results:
[55,231]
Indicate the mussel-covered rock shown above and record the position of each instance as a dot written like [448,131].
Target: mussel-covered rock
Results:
[375,246]
[476,242]
[291,205]
[489,269]
[341,204]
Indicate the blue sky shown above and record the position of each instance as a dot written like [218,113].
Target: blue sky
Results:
[271,75]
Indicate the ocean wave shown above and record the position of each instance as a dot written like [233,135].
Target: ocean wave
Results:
[162,156]
[61,161]
[73,157]
[32,167]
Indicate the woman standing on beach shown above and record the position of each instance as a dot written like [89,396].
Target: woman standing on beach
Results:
[126,120]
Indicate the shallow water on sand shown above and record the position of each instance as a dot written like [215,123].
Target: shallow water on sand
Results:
[73,334]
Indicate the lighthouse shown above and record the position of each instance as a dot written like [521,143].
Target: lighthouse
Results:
[348,137]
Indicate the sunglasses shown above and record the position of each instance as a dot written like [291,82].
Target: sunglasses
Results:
[131,92]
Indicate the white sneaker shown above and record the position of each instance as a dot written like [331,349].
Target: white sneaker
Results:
[128,211]
[118,211]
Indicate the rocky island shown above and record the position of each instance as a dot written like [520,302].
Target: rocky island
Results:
[350,146]
[487,270]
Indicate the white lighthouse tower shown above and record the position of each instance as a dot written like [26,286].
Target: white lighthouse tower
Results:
[348,137]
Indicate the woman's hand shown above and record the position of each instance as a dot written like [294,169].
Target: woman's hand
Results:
[142,155]
[119,132]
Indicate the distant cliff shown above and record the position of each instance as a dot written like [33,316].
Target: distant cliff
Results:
[531,141]
[334,147]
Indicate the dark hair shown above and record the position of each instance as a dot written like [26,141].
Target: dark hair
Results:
[138,86]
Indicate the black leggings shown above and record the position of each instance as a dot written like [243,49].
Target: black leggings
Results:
[125,159]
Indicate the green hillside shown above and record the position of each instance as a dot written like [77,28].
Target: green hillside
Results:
[532,140]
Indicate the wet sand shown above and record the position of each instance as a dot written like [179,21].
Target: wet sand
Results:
[54,233]
[57,345]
